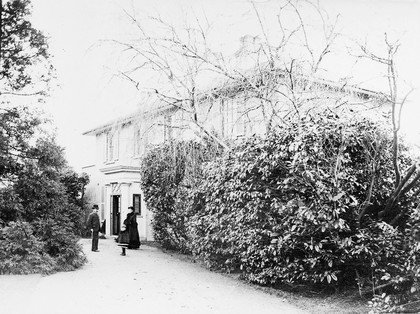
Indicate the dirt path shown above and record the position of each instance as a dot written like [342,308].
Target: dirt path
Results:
[146,280]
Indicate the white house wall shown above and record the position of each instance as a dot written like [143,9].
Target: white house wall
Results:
[117,177]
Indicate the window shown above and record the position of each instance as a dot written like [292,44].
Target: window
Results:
[111,146]
[137,203]
[228,117]
[102,203]
[167,128]
[140,140]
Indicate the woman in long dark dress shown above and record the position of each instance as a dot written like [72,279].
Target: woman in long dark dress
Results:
[131,223]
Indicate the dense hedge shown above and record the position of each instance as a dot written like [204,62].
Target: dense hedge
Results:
[294,207]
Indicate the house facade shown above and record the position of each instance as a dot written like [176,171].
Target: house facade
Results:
[115,173]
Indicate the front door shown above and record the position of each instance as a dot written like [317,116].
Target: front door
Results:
[115,214]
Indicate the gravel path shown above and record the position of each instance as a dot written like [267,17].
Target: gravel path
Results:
[145,281]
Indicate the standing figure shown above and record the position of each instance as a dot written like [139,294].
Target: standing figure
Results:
[131,223]
[94,225]
[123,239]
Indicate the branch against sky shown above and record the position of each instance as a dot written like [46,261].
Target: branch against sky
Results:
[405,179]
[186,63]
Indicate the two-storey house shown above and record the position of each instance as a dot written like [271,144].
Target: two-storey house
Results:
[227,113]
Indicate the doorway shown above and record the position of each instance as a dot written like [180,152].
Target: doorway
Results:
[115,214]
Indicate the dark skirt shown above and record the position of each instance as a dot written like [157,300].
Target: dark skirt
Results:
[134,241]
[123,238]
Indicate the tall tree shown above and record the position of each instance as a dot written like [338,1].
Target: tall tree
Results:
[264,75]
[22,48]
[24,71]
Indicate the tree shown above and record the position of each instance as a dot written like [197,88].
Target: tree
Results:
[17,126]
[47,187]
[268,78]
[44,196]
[39,211]
[24,71]
[406,180]
[22,47]
[264,75]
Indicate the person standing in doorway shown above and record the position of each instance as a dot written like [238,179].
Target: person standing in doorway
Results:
[131,223]
[94,225]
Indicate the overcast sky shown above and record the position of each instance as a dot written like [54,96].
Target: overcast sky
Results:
[89,93]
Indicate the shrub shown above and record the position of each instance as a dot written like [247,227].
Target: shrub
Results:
[168,172]
[60,243]
[291,207]
[303,205]
[21,252]
[41,200]
[42,247]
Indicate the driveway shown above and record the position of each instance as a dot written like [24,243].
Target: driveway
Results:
[145,281]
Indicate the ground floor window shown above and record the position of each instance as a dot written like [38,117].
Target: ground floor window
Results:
[137,203]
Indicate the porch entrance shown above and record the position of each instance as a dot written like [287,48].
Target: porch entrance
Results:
[115,214]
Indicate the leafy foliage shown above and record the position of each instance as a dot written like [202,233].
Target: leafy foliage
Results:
[291,207]
[43,247]
[21,252]
[17,126]
[41,198]
[299,206]
[22,46]
[168,172]
[61,243]
[44,194]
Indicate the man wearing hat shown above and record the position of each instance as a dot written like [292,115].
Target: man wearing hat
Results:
[94,225]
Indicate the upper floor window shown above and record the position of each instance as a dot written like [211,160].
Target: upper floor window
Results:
[234,117]
[140,139]
[112,146]
[167,128]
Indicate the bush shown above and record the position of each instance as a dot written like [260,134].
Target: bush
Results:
[168,172]
[303,205]
[41,200]
[21,252]
[291,207]
[61,243]
[42,247]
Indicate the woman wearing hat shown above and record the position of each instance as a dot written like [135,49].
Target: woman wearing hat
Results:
[129,235]
[131,224]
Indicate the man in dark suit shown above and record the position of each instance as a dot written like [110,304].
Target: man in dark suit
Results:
[94,225]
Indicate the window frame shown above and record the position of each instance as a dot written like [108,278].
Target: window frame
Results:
[137,209]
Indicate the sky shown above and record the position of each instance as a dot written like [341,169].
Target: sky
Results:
[88,91]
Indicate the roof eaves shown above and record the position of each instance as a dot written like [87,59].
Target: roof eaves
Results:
[125,120]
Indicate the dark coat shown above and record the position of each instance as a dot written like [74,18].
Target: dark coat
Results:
[93,222]
[131,224]
[123,238]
